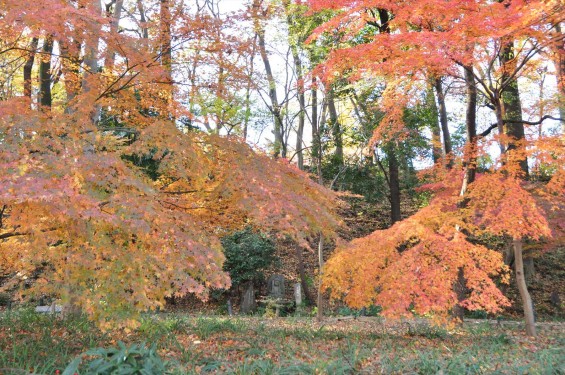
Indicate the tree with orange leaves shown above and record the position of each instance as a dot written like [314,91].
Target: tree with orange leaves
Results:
[104,200]
[416,264]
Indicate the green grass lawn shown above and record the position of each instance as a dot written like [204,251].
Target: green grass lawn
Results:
[42,344]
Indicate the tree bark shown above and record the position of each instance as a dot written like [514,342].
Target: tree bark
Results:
[511,105]
[443,121]
[471,126]
[28,68]
[302,113]
[523,289]
[394,184]
[45,98]
[336,128]
[279,148]
[316,140]
[165,21]
[92,42]
[143,20]
[114,25]
[320,304]
[70,51]
[434,124]
[302,274]
[560,68]
[294,43]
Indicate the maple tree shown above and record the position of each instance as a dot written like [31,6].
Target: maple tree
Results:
[106,202]
[415,264]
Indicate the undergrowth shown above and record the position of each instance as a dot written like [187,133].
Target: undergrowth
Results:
[43,344]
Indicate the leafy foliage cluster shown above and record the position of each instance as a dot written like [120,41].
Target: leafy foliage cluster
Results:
[131,360]
[248,253]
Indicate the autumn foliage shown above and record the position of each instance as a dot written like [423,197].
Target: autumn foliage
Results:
[109,204]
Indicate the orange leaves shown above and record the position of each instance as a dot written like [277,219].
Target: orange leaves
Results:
[500,205]
[116,238]
[410,267]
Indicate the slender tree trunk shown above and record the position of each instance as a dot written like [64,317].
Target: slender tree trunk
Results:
[471,127]
[302,274]
[394,184]
[302,103]
[511,105]
[443,120]
[278,146]
[434,124]
[523,289]
[92,44]
[165,21]
[114,24]
[143,20]
[70,51]
[560,67]
[316,144]
[248,93]
[294,43]
[336,128]
[45,98]
[28,68]
[499,113]
[460,286]
[320,304]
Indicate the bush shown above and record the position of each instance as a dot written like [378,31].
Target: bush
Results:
[5,299]
[248,254]
[136,359]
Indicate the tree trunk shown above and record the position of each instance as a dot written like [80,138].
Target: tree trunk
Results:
[560,67]
[320,304]
[443,121]
[165,21]
[471,126]
[279,148]
[114,25]
[294,43]
[142,19]
[302,274]
[336,128]
[302,103]
[511,105]
[70,51]
[28,68]
[434,124]
[92,43]
[523,289]
[45,98]
[394,184]
[316,144]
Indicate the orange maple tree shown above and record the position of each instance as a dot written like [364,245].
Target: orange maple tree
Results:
[105,201]
[415,265]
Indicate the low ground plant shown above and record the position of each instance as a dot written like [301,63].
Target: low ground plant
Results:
[182,344]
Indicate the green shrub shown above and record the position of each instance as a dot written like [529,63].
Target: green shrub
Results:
[133,360]
[248,254]
[5,299]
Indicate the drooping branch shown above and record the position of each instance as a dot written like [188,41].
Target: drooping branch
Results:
[542,119]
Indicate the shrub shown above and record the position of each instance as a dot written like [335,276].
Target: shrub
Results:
[133,360]
[248,254]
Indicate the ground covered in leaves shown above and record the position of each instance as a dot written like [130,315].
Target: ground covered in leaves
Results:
[40,344]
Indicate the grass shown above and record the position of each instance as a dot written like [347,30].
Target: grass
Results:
[42,344]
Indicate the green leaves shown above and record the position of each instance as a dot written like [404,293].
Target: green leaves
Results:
[248,254]
[133,360]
